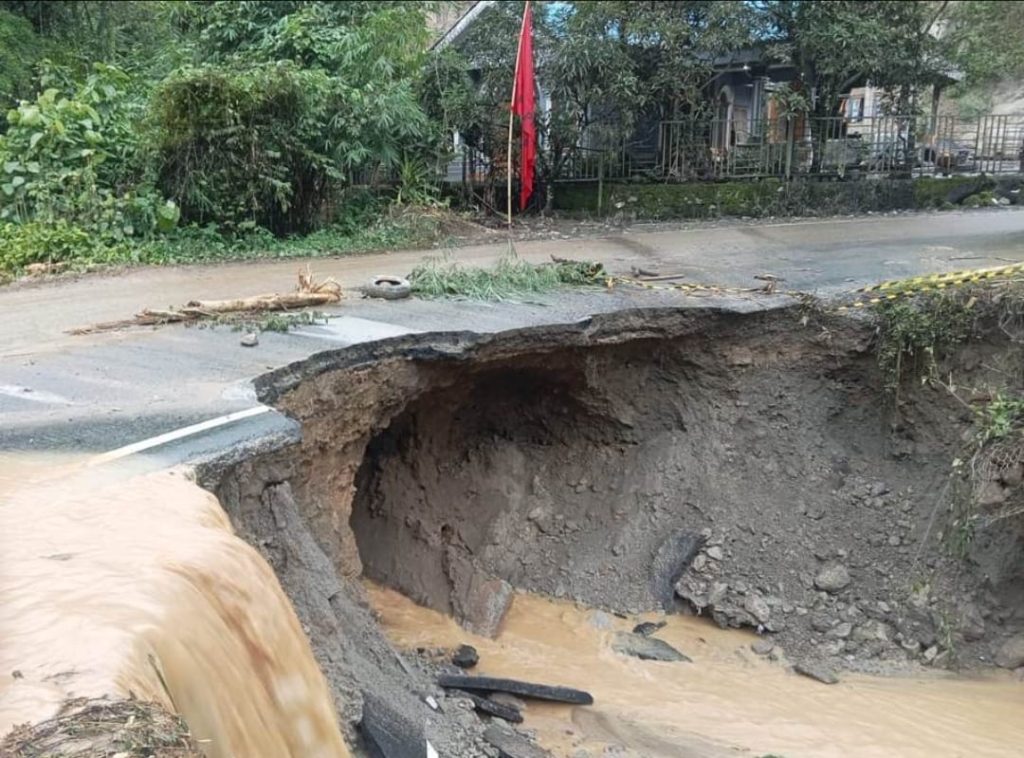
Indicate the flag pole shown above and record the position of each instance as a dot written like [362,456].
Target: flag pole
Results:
[511,113]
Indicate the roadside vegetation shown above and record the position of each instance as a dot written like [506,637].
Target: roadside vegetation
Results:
[167,132]
[511,278]
[174,132]
[918,338]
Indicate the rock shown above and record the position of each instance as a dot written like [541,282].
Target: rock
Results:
[972,623]
[673,557]
[512,744]
[647,628]
[1013,476]
[646,648]
[821,623]
[762,646]
[491,707]
[465,657]
[872,631]
[480,601]
[699,563]
[756,606]
[515,687]
[717,593]
[894,540]
[818,671]
[715,553]
[992,494]
[390,729]
[249,340]
[930,654]
[1011,653]
[878,489]
[832,578]
[840,631]
[911,645]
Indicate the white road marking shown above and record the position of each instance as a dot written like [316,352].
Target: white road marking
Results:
[35,396]
[177,434]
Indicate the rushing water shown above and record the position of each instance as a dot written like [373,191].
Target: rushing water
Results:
[727,702]
[111,587]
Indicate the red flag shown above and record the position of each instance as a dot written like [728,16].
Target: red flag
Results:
[523,104]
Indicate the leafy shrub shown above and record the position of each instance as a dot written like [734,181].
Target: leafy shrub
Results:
[52,242]
[291,101]
[19,50]
[72,154]
[247,148]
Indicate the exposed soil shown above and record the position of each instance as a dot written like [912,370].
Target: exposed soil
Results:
[748,467]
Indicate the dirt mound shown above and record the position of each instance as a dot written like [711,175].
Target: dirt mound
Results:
[98,728]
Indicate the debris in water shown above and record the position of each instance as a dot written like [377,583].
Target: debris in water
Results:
[512,744]
[465,657]
[91,727]
[492,707]
[516,687]
[250,340]
[762,646]
[647,628]
[646,648]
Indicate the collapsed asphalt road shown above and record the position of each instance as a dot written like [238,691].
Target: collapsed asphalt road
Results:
[91,394]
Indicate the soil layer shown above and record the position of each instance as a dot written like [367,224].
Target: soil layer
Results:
[745,466]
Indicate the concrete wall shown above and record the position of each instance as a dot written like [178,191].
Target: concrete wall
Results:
[774,197]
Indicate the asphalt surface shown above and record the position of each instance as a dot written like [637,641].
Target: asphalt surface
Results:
[86,395]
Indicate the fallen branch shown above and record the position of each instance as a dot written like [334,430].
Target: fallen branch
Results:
[308,293]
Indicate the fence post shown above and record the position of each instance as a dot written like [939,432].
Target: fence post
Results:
[789,147]
[600,182]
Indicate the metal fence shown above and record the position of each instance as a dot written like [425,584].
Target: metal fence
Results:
[710,149]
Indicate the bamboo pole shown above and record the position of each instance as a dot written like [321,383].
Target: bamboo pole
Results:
[511,110]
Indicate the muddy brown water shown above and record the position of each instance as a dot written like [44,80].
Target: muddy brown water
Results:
[113,587]
[727,702]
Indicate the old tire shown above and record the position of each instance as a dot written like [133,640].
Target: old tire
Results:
[388,288]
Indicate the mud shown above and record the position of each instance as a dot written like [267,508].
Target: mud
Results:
[728,702]
[746,467]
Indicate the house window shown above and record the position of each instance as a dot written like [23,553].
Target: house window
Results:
[855,108]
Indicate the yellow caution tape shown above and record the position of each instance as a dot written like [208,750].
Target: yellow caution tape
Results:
[885,291]
[949,277]
[679,287]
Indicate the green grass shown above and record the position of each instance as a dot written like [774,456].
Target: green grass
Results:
[511,278]
[82,251]
[1000,418]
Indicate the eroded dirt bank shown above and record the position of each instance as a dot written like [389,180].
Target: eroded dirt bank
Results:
[746,467]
